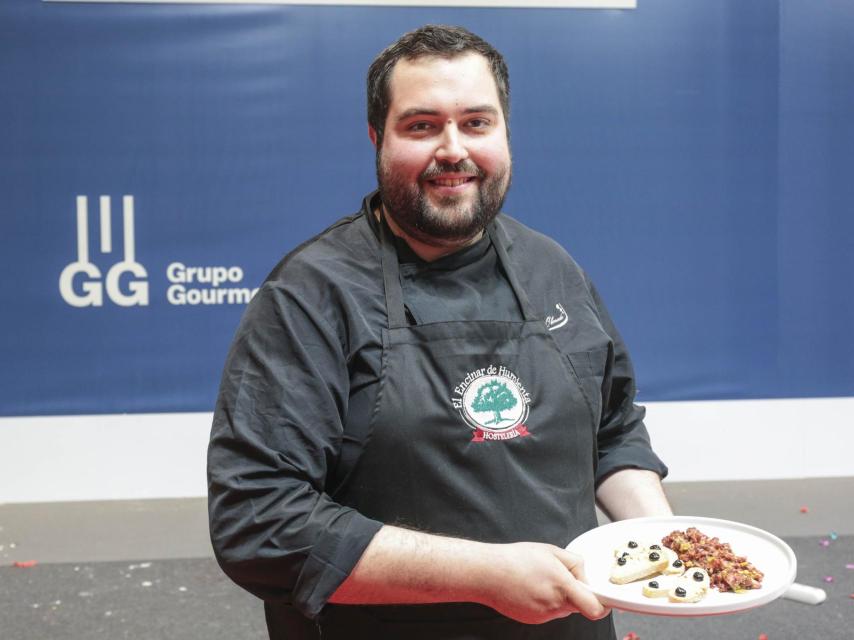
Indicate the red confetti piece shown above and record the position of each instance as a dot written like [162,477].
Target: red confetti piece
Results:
[631,636]
[804,510]
[763,636]
[26,564]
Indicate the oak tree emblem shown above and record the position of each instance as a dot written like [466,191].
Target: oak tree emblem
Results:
[496,397]
[493,402]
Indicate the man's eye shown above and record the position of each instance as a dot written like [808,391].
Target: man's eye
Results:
[478,123]
[419,126]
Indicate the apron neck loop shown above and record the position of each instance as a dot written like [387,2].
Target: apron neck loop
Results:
[391,277]
[395,311]
[496,235]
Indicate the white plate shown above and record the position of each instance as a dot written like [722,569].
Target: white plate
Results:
[765,551]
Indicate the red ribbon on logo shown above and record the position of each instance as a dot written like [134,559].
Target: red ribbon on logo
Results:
[519,431]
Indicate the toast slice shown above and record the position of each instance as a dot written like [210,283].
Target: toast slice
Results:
[691,586]
[674,565]
[659,586]
[630,548]
[632,568]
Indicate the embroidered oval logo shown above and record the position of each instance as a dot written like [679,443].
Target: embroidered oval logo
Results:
[494,404]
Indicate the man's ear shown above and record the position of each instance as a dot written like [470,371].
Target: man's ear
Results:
[372,134]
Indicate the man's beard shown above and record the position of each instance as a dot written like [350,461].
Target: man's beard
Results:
[455,219]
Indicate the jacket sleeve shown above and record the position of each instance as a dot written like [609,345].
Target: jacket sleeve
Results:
[276,433]
[623,440]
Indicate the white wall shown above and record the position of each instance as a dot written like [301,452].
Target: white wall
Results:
[70,458]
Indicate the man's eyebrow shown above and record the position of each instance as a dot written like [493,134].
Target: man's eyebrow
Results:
[421,111]
[416,111]
[482,108]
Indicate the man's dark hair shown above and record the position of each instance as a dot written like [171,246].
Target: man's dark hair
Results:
[430,40]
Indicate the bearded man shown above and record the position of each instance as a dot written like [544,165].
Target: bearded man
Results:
[423,404]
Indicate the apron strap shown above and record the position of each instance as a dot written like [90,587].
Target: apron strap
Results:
[498,238]
[395,311]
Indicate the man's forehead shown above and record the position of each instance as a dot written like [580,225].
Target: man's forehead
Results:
[467,72]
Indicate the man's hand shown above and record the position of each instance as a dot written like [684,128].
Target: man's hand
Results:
[536,583]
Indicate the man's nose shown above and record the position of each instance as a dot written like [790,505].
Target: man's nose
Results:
[451,148]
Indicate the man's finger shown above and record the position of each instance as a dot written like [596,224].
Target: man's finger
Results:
[585,601]
[573,562]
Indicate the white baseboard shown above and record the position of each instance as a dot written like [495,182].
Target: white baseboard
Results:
[146,456]
[754,439]
[103,457]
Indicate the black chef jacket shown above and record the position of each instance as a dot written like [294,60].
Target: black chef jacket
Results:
[301,379]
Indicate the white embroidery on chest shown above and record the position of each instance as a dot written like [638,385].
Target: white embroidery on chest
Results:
[558,320]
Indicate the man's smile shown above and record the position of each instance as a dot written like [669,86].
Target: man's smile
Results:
[451,182]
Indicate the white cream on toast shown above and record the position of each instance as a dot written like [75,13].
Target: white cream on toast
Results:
[659,586]
[630,568]
[691,586]
[674,565]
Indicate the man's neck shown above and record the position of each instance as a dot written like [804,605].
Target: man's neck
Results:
[425,251]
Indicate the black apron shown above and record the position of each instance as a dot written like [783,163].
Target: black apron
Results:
[480,430]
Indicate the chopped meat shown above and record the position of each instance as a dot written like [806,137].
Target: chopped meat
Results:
[728,572]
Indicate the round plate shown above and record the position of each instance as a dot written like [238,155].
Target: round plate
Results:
[765,551]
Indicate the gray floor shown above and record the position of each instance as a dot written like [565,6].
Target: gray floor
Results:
[144,569]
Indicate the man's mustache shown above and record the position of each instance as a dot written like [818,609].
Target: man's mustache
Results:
[437,170]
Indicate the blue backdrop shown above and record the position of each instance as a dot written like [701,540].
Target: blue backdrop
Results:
[695,156]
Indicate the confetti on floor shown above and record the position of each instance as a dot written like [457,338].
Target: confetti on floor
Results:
[25,564]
